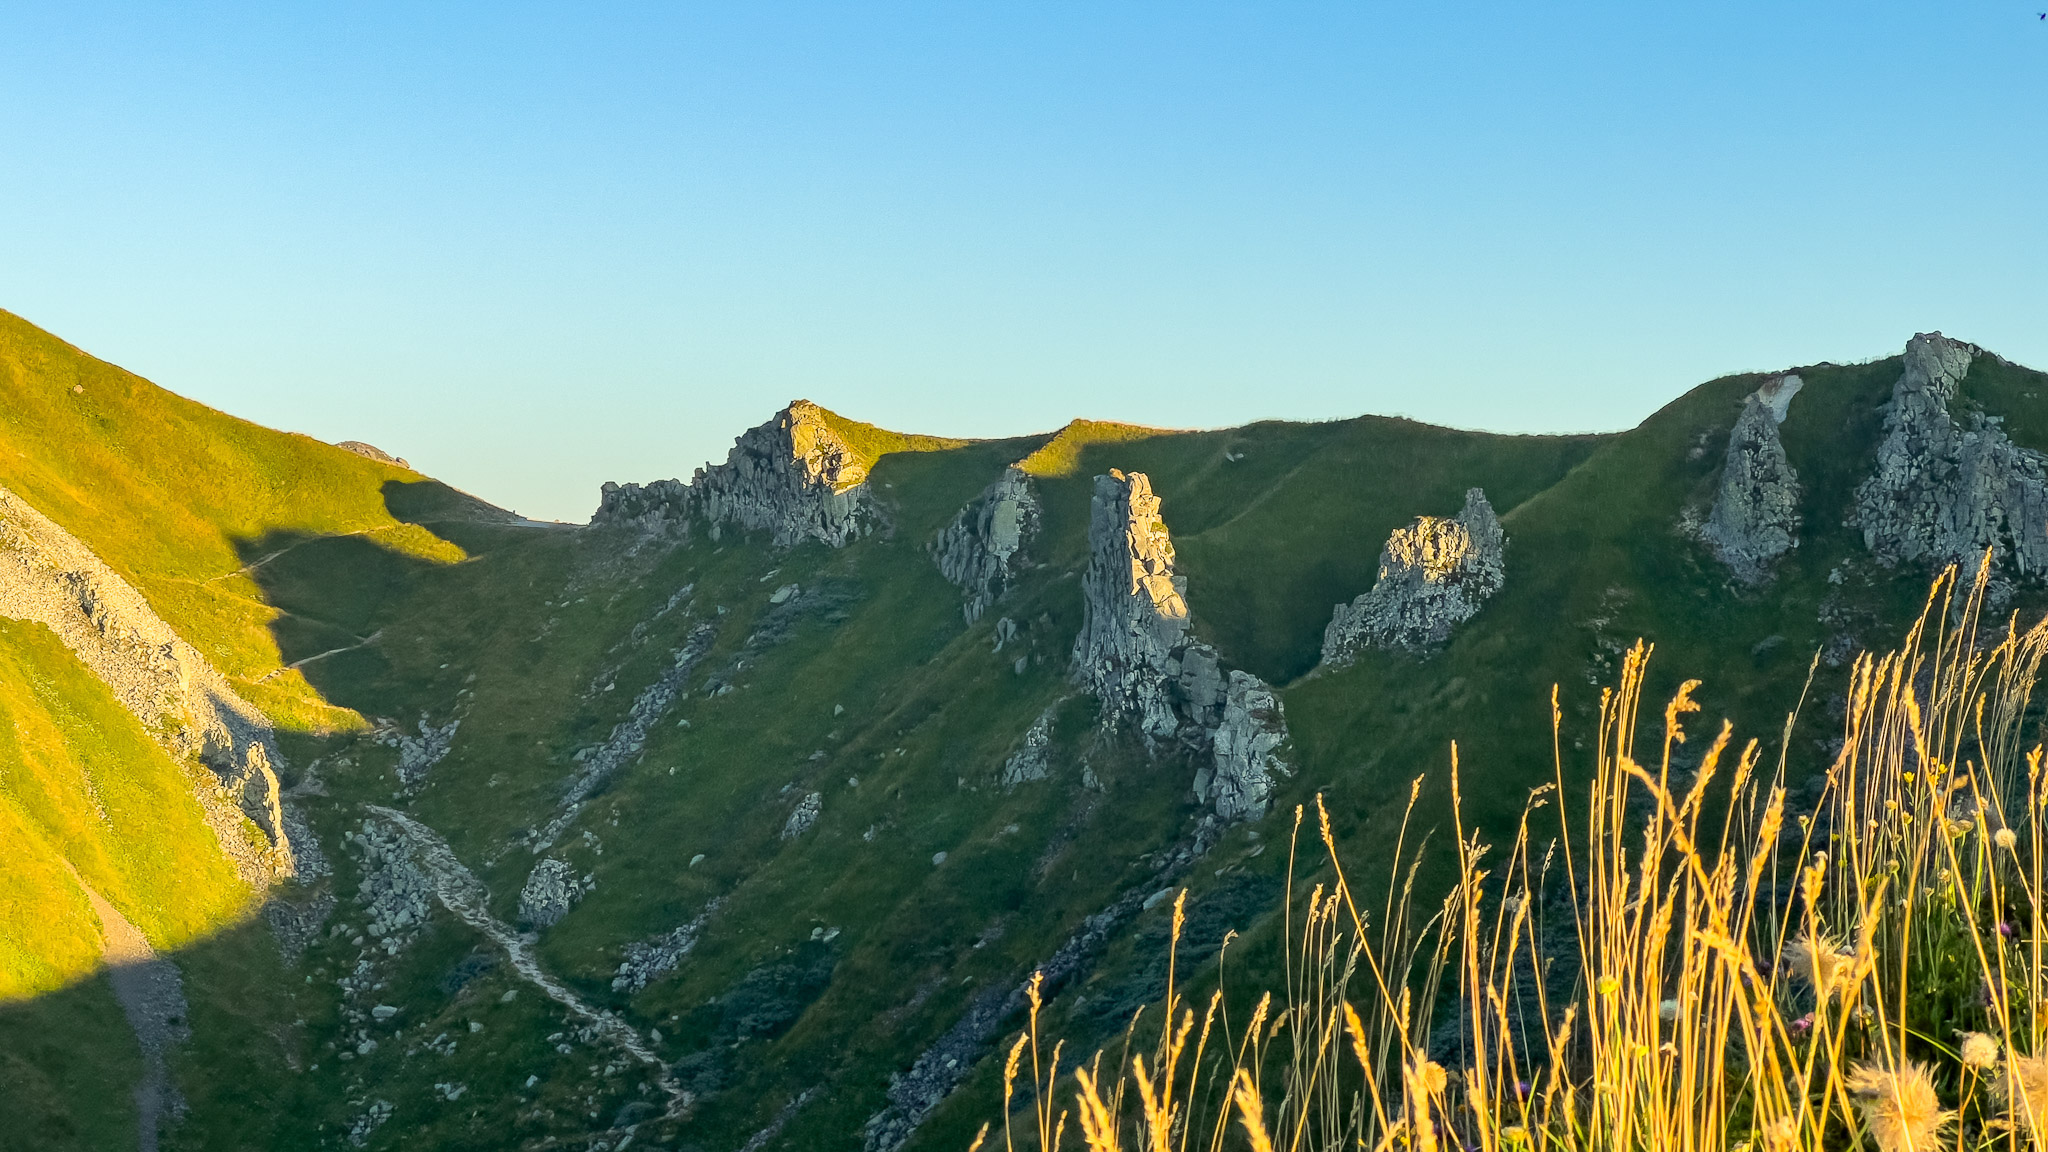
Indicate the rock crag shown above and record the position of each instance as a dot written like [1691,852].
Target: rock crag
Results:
[49,577]
[1755,518]
[982,550]
[1434,575]
[1134,653]
[794,477]
[1941,493]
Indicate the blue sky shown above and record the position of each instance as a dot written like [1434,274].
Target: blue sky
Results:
[534,247]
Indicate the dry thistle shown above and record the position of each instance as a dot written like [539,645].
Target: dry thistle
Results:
[1900,1108]
[1823,964]
[1979,1050]
[2026,1091]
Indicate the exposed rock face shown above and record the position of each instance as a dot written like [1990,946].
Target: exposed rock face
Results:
[1252,729]
[793,477]
[1941,493]
[371,451]
[1434,575]
[1137,615]
[551,890]
[1755,518]
[1135,654]
[1033,758]
[983,548]
[49,577]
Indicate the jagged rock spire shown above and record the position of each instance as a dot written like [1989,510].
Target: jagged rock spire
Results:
[1434,575]
[793,477]
[1755,518]
[1942,494]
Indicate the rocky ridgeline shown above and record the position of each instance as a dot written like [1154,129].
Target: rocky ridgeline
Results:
[1942,494]
[793,477]
[49,577]
[1755,518]
[1434,575]
[1135,655]
[982,550]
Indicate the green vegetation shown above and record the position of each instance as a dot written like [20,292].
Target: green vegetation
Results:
[832,957]
[81,782]
[164,490]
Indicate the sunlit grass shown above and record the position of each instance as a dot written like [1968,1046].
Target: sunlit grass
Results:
[1673,956]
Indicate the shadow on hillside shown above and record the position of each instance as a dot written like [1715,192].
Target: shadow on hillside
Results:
[335,595]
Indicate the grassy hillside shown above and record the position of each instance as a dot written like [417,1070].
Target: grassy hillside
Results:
[164,490]
[80,781]
[830,956]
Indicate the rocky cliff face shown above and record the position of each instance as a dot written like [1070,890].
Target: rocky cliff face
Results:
[1434,575]
[1135,654]
[47,576]
[1137,615]
[1943,493]
[793,477]
[1755,518]
[982,550]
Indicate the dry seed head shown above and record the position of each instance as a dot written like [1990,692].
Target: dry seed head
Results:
[2005,838]
[1900,1108]
[1979,1050]
[1820,961]
[2026,1091]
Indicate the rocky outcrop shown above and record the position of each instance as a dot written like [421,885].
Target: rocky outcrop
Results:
[1249,735]
[1942,493]
[649,960]
[1434,575]
[1136,611]
[805,814]
[1135,654]
[1755,518]
[983,549]
[49,577]
[418,754]
[372,452]
[551,890]
[793,477]
[1033,758]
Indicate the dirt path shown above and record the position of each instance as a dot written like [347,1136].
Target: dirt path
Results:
[152,996]
[463,894]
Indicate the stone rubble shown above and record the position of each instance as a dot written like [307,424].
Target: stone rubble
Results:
[598,763]
[418,754]
[551,890]
[983,549]
[1134,653]
[649,960]
[805,815]
[49,577]
[1942,494]
[1755,518]
[793,477]
[1434,575]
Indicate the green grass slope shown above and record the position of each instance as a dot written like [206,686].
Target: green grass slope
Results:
[163,488]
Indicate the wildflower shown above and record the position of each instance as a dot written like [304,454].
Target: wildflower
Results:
[2006,929]
[1900,1108]
[1803,1025]
[2026,1091]
[1979,1050]
[1607,985]
[1521,1089]
[2005,838]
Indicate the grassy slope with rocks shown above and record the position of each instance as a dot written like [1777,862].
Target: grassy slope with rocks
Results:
[831,958]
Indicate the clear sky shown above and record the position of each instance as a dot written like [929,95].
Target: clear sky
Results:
[535,247]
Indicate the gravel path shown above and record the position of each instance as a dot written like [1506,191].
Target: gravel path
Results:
[152,996]
[462,893]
